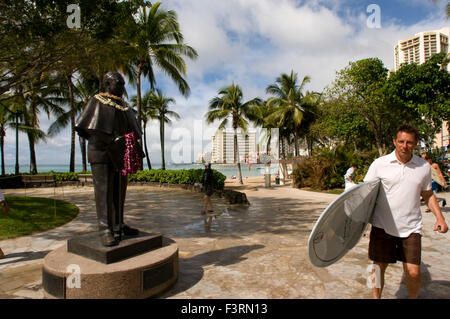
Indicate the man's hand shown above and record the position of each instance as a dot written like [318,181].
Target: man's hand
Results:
[431,202]
[441,226]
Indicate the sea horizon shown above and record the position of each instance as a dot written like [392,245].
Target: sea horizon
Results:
[228,170]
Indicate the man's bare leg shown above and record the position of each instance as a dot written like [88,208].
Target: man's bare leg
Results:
[210,203]
[377,291]
[413,280]
[205,204]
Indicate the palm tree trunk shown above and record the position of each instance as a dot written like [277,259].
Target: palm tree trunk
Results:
[33,166]
[145,148]
[139,105]
[236,147]
[161,134]
[83,152]
[2,145]
[138,94]
[17,144]
[72,122]
[295,144]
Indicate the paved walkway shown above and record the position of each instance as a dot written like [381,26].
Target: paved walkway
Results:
[248,252]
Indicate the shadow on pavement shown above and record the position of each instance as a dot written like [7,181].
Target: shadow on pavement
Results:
[430,289]
[23,256]
[191,269]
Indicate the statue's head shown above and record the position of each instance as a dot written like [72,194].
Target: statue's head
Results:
[114,83]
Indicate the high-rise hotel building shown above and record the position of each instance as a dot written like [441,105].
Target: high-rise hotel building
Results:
[419,48]
[223,146]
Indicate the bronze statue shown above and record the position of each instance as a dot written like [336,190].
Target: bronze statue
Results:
[104,122]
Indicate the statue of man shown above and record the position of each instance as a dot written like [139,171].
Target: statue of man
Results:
[104,122]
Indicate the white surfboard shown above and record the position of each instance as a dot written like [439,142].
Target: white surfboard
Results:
[342,223]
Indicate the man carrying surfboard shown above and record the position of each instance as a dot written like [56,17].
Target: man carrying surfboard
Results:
[397,219]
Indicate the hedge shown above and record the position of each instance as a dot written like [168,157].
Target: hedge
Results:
[182,176]
[190,176]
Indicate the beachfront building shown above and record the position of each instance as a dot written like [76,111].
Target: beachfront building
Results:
[418,49]
[222,150]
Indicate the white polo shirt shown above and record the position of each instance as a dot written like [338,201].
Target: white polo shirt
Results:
[397,209]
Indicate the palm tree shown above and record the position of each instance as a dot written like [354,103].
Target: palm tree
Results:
[148,114]
[156,39]
[228,104]
[160,103]
[4,119]
[289,101]
[86,87]
[38,97]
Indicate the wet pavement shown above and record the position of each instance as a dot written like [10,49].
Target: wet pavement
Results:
[256,251]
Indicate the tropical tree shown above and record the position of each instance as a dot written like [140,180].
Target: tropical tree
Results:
[228,104]
[261,118]
[156,40]
[38,98]
[160,104]
[289,101]
[5,116]
[148,113]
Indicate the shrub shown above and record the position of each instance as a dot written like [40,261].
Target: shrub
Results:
[326,168]
[190,176]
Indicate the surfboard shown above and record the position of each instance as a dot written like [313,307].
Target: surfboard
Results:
[342,223]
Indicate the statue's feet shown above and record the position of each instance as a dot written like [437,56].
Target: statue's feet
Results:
[108,240]
[129,231]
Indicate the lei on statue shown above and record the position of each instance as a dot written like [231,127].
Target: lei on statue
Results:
[132,162]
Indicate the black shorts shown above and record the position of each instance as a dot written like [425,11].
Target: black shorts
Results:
[385,248]
[209,191]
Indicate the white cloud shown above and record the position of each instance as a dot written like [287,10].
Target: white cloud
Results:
[251,42]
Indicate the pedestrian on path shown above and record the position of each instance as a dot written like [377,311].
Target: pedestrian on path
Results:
[5,209]
[348,177]
[436,178]
[208,189]
[397,220]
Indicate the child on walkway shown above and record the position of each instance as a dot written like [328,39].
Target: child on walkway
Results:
[208,188]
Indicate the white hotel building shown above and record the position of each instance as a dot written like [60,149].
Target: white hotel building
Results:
[223,146]
[418,49]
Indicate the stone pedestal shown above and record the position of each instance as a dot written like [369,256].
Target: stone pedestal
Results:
[139,267]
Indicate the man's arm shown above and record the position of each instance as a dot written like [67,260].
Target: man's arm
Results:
[431,202]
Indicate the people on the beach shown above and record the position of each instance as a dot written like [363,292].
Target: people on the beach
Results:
[348,177]
[5,210]
[208,189]
[397,220]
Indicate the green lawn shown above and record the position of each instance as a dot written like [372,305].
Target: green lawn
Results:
[33,214]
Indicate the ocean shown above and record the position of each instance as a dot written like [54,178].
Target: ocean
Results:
[228,170]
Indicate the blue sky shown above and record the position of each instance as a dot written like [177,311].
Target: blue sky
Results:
[250,43]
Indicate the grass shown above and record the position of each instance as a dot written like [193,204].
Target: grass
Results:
[28,215]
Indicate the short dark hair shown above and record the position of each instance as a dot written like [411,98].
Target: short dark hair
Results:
[407,128]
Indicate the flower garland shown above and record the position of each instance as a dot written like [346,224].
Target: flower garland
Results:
[132,162]
[108,101]
[111,96]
